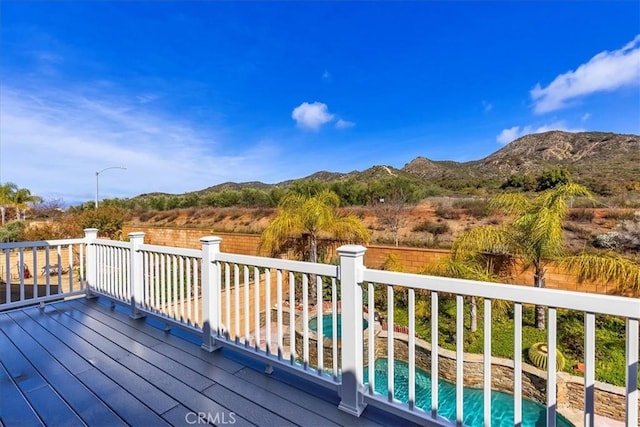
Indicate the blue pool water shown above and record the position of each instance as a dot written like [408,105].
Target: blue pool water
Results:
[327,325]
[533,414]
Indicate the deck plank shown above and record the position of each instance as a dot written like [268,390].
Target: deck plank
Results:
[81,400]
[69,359]
[145,361]
[258,414]
[45,401]
[140,349]
[159,377]
[238,394]
[124,403]
[111,394]
[148,394]
[302,398]
[232,389]
[14,408]
[187,396]
[176,338]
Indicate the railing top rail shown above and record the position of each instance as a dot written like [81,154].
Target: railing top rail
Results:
[171,250]
[280,264]
[581,301]
[41,243]
[112,243]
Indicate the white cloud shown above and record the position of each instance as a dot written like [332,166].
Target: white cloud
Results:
[344,124]
[515,132]
[585,117]
[606,71]
[55,141]
[311,116]
[508,135]
[487,106]
[326,76]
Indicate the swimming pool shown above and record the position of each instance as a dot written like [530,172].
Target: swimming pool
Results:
[327,325]
[533,414]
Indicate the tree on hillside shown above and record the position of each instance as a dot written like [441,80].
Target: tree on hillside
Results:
[391,197]
[552,178]
[308,218]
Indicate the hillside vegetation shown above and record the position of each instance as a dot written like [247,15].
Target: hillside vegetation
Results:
[608,164]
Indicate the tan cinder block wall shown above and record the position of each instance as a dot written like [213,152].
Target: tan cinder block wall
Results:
[237,243]
[413,260]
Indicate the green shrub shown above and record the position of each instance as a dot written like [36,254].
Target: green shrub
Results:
[435,228]
[107,219]
[552,178]
[581,215]
[477,208]
[446,213]
[619,215]
[12,231]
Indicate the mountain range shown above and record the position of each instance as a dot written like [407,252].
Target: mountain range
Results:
[606,162]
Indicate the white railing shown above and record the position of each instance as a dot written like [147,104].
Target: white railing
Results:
[553,300]
[331,323]
[38,272]
[112,269]
[171,283]
[264,305]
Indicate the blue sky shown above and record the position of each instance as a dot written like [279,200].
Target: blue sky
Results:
[186,95]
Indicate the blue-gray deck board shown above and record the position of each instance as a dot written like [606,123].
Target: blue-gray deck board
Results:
[82,362]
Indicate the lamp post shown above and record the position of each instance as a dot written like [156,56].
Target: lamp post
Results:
[97,181]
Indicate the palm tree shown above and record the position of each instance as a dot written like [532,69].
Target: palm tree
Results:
[607,267]
[21,199]
[7,191]
[535,235]
[308,218]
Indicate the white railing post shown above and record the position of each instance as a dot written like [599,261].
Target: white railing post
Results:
[90,235]
[631,350]
[210,292]
[136,278]
[351,268]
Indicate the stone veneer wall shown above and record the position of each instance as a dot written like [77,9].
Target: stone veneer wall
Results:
[609,399]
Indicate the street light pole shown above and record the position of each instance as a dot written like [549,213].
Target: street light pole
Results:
[97,180]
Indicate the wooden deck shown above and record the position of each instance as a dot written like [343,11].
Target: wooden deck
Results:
[81,362]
